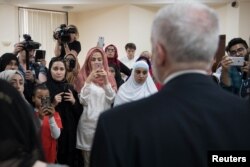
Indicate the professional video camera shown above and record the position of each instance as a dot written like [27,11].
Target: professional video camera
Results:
[63,33]
[29,44]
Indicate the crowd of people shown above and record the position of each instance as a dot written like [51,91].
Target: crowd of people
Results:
[159,109]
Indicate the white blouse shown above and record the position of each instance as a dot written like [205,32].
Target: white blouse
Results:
[95,100]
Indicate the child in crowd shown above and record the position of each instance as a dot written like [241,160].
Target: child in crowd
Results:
[50,121]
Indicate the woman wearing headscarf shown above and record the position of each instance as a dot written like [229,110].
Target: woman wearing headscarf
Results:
[97,95]
[66,102]
[138,86]
[19,142]
[8,61]
[15,78]
[112,55]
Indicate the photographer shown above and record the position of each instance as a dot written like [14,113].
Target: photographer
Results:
[72,67]
[235,78]
[32,72]
[66,37]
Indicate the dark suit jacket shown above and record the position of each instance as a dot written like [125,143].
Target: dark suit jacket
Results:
[175,127]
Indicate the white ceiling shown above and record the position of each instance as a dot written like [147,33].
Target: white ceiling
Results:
[85,5]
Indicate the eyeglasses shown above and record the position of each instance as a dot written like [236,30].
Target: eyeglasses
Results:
[234,52]
[110,50]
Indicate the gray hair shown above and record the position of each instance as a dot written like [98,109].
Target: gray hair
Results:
[189,32]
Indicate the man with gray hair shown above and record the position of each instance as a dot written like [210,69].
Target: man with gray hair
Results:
[191,116]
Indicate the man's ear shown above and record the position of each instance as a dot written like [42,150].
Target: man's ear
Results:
[161,60]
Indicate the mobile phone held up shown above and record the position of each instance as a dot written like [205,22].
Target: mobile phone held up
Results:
[100,42]
[40,54]
[45,102]
[237,61]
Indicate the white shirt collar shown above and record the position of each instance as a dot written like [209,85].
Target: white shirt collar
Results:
[176,74]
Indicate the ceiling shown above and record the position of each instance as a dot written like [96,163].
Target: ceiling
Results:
[85,5]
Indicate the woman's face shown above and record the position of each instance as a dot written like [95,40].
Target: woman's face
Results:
[58,71]
[110,52]
[12,65]
[96,61]
[17,82]
[140,75]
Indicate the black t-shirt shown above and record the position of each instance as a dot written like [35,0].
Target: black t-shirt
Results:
[75,45]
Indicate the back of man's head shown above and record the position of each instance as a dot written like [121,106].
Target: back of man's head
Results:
[236,41]
[188,32]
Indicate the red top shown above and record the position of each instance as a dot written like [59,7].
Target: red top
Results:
[48,143]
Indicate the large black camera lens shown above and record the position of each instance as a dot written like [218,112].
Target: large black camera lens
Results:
[72,63]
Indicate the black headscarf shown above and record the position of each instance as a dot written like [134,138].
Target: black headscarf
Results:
[54,86]
[118,78]
[5,59]
[19,140]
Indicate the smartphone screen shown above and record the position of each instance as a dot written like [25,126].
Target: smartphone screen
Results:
[46,102]
[98,66]
[40,54]
[237,61]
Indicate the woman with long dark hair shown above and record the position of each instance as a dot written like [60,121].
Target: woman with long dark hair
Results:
[66,102]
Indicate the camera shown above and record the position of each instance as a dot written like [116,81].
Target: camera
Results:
[63,33]
[72,63]
[29,44]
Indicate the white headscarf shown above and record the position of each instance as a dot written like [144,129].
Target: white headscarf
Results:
[131,90]
[8,74]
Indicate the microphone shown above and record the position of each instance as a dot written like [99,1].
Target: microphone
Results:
[246,58]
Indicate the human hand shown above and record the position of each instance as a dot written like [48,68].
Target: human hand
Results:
[29,76]
[43,62]
[48,111]
[17,48]
[246,67]
[102,73]
[58,99]
[68,96]
[225,62]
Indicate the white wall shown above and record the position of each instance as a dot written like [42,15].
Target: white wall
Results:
[111,23]
[8,28]
[235,22]
[119,25]
[140,22]
[244,21]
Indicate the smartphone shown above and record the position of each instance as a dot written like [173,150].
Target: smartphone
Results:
[46,102]
[40,54]
[237,61]
[98,66]
[100,42]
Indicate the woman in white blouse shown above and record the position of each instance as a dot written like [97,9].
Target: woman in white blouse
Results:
[96,96]
[138,86]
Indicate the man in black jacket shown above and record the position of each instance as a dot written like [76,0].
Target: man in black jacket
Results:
[190,116]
